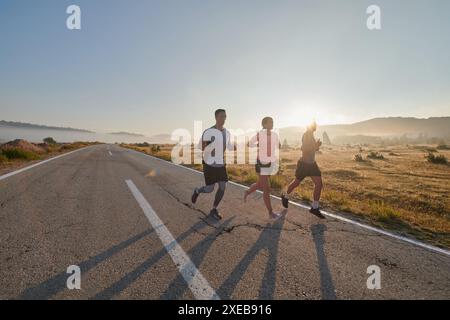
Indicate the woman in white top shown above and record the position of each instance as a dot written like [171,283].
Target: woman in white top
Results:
[267,141]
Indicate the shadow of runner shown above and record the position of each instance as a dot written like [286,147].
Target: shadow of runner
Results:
[268,240]
[326,280]
[178,286]
[129,278]
[54,285]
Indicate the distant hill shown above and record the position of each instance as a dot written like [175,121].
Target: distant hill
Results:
[38,126]
[436,127]
[377,129]
[123,133]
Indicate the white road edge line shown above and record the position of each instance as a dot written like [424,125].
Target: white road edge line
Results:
[39,163]
[332,215]
[195,280]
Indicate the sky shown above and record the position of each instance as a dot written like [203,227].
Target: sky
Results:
[150,67]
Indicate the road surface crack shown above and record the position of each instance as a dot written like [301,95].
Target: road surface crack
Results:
[69,225]
[231,228]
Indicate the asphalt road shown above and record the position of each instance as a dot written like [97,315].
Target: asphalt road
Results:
[126,220]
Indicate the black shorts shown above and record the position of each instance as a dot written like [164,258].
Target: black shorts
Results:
[307,170]
[259,165]
[214,174]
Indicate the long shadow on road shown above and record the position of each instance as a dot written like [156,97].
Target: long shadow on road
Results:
[326,280]
[131,277]
[268,240]
[54,285]
[178,286]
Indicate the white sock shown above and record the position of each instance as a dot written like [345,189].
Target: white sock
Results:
[315,204]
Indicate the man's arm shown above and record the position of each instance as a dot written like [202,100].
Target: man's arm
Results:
[205,144]
[231,145]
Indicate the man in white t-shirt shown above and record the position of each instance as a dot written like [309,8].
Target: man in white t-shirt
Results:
[214,142]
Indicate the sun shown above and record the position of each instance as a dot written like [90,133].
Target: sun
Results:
[303,113]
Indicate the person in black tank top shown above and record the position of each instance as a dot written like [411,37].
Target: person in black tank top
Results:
[307,167]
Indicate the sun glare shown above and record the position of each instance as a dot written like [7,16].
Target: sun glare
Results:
[304,113]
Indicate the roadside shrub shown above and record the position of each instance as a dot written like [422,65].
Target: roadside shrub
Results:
[439,159]
[15,153]
[375,155]
[358,158]
[144,144]
[49,140]
[156,148]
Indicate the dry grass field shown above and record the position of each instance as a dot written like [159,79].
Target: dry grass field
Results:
[401,191]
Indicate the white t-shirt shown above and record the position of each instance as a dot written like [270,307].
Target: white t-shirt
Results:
[268,146]
[223,138]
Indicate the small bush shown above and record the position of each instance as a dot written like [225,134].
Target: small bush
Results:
[16,153]
[358,158]
[375,155]
[439,159]
[144,144]
[49,140]
[156,148]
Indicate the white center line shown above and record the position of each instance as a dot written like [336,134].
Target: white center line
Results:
[110,153]
[195,280]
